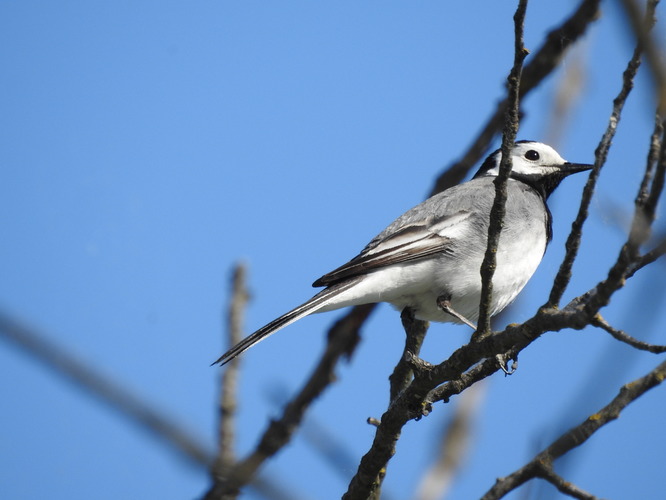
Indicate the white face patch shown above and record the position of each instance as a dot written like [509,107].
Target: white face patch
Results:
[531,158]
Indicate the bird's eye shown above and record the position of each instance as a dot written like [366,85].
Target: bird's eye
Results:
[532,155]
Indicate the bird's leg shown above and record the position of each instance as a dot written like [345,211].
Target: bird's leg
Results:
[444,303]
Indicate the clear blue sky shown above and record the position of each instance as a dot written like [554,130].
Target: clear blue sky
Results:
[147,146]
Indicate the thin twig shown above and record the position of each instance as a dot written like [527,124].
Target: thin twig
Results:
[475,374]
[639,233]
[600,322]
[541,64]
[229,379]
[134,408]
[343,338]
[645,198]
[647,258]
[104,389]
[466,365]
[653,52]
[228,400]
[562,485]
[410,403]
[652,159]
[573,240]
[649,205]
[498,210]
[577,435]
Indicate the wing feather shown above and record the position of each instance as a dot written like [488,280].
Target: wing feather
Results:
[407,242]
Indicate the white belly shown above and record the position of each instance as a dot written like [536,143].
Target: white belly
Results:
[515,266]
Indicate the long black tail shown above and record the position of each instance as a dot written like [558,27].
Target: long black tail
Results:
[311,306]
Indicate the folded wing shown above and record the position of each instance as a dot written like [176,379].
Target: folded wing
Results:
[401,243]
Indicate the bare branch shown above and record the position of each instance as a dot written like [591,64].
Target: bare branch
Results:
[541,64]
[577,436]
[647,196]
[469,363]
[653,52]
[498,210]
[626,338]
[412,402]
[639,233]
[647,258]
[229,378]
[573,241]
[648,205]
[562,485]
[119,398]
[466,365]
[342,339]
[652,160]
[468,378]
[415,331]
[239,299]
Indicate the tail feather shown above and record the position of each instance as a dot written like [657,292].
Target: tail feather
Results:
[311,306]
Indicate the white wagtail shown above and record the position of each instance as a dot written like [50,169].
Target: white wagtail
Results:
[429,258]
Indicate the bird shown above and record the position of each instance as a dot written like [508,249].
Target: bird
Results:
[429,258]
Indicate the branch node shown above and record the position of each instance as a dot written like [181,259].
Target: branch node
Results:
[420,366]
[373,421]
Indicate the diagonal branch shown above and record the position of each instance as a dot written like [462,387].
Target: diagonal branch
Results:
[548,474]
[412,401]
[653,53]
[475,374]
[541,464]
[466,365]
[409,402]
[97,385]
[573,241]
[648,258]
[541,64]
[343,338]
[600,322]
[644,215]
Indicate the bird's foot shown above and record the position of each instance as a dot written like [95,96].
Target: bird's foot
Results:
[503,360]
[444,303]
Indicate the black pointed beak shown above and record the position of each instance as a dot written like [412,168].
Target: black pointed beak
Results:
[572,168]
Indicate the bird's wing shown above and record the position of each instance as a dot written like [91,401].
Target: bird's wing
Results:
[402,242]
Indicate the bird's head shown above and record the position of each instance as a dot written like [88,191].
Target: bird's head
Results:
[533,163]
